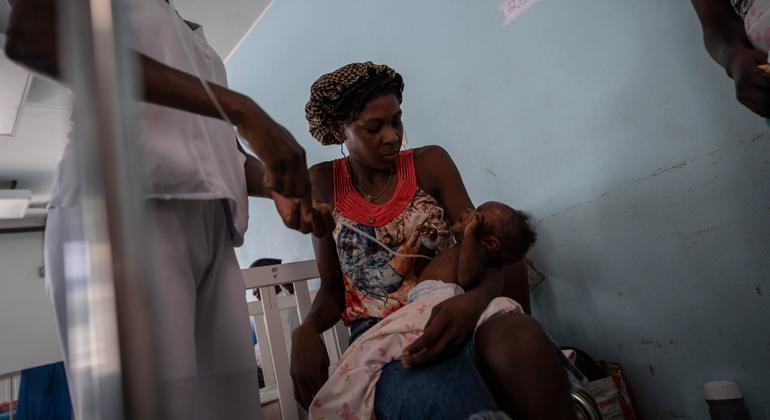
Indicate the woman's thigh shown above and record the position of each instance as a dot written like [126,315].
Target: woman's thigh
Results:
[524,368]
[451,388]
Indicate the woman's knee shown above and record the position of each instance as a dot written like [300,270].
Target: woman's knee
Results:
[511,340]
[521,365]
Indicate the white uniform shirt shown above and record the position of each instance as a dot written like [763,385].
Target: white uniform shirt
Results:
[184,156]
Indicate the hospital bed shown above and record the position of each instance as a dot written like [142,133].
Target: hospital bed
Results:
[9,394]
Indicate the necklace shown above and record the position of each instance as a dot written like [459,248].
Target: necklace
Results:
[371,197]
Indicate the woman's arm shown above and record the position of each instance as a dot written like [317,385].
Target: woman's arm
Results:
[309,360]
[725,38]
[442,179]
[437,174]
[329,302]
[453,320]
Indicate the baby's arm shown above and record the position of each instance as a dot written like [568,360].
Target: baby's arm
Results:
[473,257]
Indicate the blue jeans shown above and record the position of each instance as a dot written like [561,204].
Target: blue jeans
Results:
[450,388]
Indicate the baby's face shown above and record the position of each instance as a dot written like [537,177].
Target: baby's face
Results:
[490,215]
[498,222]
[462,222]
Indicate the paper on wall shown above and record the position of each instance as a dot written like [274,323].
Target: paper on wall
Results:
[513,8]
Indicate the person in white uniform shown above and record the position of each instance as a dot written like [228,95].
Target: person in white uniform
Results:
[195,180]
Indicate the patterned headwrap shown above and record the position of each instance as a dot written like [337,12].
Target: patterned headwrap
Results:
[335,96]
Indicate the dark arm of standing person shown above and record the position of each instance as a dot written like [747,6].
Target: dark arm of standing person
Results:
[726,41]
[255,175]
[32,41]
[289,209]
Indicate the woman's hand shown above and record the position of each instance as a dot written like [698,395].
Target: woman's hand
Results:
[309,364]
[450,325]
[752,85]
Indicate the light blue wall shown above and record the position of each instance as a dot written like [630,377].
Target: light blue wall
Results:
[609,123]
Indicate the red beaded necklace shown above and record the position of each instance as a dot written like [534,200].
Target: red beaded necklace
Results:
[354,206]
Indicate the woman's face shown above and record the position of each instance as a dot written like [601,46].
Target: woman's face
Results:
[374,137]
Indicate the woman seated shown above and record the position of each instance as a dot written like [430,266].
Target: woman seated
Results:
[408,200]
[494,234]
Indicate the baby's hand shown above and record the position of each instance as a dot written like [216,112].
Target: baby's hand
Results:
[475,224]
[427,230]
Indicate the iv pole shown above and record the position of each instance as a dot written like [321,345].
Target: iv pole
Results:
[107,298]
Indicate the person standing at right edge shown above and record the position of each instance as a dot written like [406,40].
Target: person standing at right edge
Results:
[737,36]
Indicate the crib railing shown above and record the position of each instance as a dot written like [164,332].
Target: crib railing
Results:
[273,332]
[10,393]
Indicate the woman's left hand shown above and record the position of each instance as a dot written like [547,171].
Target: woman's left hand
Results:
[450,325]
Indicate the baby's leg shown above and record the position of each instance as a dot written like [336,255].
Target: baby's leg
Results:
[433,289]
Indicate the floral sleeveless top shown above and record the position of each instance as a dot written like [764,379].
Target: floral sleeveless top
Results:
[412,221]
